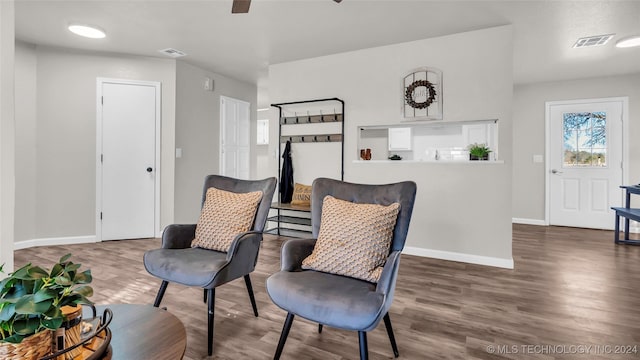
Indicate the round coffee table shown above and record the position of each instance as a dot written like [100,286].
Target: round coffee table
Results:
[144,332]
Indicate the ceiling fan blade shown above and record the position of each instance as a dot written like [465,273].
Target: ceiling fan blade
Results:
[240,6]
[338,1]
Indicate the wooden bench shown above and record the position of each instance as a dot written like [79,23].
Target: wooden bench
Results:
[628,213]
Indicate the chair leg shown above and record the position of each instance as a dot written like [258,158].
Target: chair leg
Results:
[392,338]
[247,281]
[212,299]
[283,336]
[319,328]
[364,351]
[160,295]
[205,295]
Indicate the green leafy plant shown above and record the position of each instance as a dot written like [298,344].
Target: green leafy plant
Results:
[479,151]
[31,298]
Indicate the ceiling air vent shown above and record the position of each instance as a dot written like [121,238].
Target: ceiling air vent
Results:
[593,41]
[172,52]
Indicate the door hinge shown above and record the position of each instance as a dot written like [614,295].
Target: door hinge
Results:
[101,158]
[102,100]
[101,215]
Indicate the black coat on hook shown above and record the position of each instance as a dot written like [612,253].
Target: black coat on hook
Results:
[286,178]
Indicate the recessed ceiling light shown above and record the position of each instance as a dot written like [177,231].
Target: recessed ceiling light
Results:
[92,32]
[628,42]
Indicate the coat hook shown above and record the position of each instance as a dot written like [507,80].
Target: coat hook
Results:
[321,116]
[315,138]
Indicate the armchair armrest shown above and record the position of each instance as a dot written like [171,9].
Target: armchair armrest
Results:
[178,236]
[387,283]
[241,258]
[293,252]
[245,245]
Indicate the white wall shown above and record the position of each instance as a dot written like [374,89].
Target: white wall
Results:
[26,125]
[7,138]
[529,133]
[65,134]
[463,211]
[198,133]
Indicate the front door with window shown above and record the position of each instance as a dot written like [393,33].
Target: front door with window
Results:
[585,162]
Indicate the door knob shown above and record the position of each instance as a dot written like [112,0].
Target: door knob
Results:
[149,169]
[554,171]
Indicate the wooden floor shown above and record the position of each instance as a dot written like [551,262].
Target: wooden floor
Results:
[571,288]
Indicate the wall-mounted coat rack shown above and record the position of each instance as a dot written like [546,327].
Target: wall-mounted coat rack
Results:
[311,119]
[337,115]
[312,138]
[323,128]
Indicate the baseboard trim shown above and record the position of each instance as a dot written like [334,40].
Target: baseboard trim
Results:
[634,229]
[460,257]
[25,244]
[528,221]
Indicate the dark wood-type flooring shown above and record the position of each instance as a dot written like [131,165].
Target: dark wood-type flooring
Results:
[570,287]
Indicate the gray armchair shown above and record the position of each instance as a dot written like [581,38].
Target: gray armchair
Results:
[335,300]
[178,262]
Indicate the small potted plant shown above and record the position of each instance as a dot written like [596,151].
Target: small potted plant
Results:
[479,152]
[31,301]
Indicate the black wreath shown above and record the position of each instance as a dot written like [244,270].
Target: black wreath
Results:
[408,94]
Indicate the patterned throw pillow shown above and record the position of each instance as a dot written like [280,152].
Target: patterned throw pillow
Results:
[354,239]
[224,215]
[301,195]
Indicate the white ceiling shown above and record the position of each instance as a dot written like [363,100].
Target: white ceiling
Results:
[243,45]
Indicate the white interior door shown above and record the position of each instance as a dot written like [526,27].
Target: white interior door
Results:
[585,162]
[234,137]
[128,165]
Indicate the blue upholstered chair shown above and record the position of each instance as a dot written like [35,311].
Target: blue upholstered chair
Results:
[335,300]
[178,262]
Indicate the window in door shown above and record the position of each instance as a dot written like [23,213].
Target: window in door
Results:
[585,139]
[263,132]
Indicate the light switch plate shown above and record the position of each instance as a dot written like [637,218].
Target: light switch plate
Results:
[178,153]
